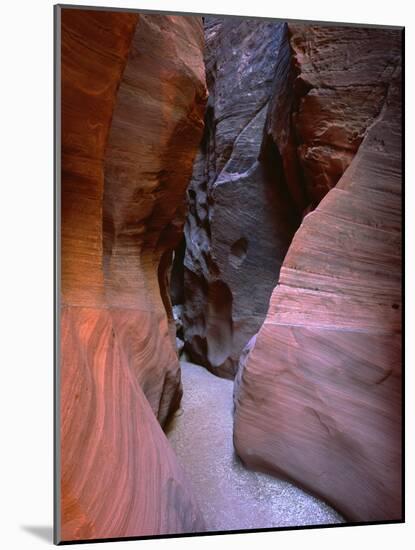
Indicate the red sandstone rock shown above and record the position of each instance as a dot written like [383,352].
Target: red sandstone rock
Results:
[330,85]
[319,395]
[289,106]
[156,127]
[120,476]
[133,97]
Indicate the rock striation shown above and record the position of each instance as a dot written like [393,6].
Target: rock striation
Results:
[318,394]
[133,98]
[156,128]
[330,85]
[289,106]
[241,219]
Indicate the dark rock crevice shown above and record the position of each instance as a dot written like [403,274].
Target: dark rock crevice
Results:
[282,125]
[241,217]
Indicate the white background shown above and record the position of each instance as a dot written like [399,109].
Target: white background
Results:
[26,298]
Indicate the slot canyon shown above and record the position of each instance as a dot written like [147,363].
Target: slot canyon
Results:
[230,330]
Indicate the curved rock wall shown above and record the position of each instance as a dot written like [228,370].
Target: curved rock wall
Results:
[133,94]
[241,219]
[156,127]
[289,106]
[318,396]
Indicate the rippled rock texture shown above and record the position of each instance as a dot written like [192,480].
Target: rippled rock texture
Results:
[133,98]
[289,106]
[241,219]
[318,396]
[330,85]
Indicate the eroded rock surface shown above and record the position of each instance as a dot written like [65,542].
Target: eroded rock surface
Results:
[133,93]
[330,85]
[241,219]
[289,106]
[318,397]
[156,129]
[120,476]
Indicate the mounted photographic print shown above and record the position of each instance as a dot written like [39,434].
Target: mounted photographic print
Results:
[228,274]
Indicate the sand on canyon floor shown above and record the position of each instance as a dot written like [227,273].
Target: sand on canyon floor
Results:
[230,496]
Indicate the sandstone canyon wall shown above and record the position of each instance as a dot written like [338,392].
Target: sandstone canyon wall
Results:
[330,85]
[291,244]
[318,393]
[288,108]
[240,220]
[133,95]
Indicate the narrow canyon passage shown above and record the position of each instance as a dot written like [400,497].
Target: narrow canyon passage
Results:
[231,275]
[229,495]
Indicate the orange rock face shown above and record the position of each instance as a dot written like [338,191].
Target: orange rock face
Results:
[331,83]
[156,127]
[133,94]
[120,476]
[318,397]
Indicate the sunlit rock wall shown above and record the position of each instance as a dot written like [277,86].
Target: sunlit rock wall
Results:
[133,94]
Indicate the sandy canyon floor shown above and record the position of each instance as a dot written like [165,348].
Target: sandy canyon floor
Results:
[230,496]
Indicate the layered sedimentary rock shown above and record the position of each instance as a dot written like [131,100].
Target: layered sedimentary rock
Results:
[318,396]
[330,84]
[289,106]
[133,94]
[240,219]
[156,129]
[120,476]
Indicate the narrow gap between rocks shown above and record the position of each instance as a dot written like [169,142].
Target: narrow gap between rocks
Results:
[231,496]
[244,207]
